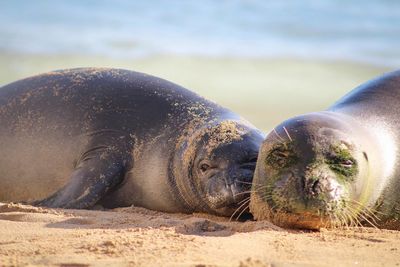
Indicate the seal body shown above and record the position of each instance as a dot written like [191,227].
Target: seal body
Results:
[338,167]
[81,137]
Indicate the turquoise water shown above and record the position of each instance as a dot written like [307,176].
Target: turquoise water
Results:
[364,31]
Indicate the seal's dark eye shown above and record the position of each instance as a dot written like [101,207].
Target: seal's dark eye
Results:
[204,167]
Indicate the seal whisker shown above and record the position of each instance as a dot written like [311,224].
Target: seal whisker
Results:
[240,202]
[263,190]
[245,182]
[287,133]
[238,209]
[368,215]
[354,221]
[260,187]
[346,217]
[368,221]
[369,212]
[353,216]
[354,212]
[243,193]
[343,222]
[373,213]
[268,186]
[266,197]
[244,209]
[349,220]
[264,193]
[279,137]
[257,190]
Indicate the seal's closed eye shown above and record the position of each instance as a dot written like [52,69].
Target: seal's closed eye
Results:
[280,157]
[342,162]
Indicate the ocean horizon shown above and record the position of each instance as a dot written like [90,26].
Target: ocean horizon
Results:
[359,31]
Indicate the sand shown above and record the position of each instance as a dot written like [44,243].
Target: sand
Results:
[132,236]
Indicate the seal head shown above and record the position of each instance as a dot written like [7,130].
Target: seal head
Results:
[220,161]
[311,173]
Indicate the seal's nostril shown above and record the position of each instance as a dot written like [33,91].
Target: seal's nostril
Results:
[311,186]
[315,189]
[303,183]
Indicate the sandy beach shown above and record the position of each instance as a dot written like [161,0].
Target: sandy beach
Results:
[31,236]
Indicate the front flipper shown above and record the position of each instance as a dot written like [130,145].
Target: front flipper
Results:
[100,169]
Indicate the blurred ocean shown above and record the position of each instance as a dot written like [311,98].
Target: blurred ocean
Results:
[361,31]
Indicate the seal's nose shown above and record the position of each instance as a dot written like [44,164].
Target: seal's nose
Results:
[326,188]
[311,186]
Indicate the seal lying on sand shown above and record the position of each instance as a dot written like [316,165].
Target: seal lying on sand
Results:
[80,137]
[337,167]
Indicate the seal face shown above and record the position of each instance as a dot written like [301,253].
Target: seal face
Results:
[311,173]
[220,169]
[329,169]
[81,137]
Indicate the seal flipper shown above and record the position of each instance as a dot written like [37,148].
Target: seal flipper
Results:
[100,169]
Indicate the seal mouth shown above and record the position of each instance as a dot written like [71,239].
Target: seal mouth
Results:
[222,191]
[220,198]
[306,220]
[237,206]
[302,204]
[310,213]
[226,195]
[262,210]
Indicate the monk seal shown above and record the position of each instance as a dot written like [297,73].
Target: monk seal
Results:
[82,137]
[339,167]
